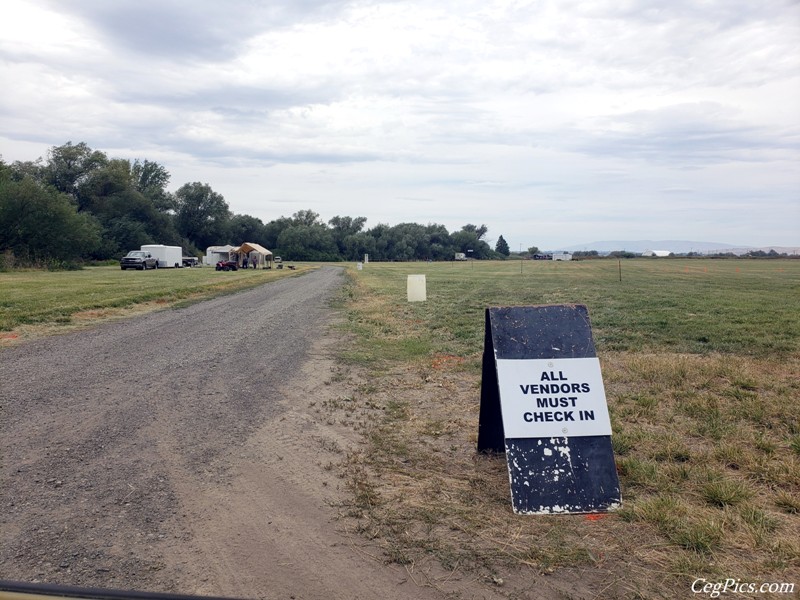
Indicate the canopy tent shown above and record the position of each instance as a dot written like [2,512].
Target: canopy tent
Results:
[257,255]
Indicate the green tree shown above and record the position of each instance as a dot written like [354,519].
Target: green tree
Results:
[343,228]
[480,232]
[306,217]
[359,244]
[70,165]
[469,241]
[273,230]
[409,242]
[439,241]
[129,218]
[307,242]
[40,226]
[151,179]
[502,246]
[381,233]
[244,228]
[97,189]
[33,169]
[202,215]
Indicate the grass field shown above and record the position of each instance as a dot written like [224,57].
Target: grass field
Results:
[701,361]
[34,303]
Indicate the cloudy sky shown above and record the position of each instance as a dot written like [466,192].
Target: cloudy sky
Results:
[554,122]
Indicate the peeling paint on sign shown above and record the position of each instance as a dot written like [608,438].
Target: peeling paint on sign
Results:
[556,434]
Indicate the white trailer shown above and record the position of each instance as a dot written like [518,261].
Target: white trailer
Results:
[168,256]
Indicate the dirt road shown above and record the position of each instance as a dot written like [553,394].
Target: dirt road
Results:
[181,452]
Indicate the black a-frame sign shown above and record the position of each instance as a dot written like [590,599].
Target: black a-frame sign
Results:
[543,404]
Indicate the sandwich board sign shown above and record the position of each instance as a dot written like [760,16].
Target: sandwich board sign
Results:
[543,403]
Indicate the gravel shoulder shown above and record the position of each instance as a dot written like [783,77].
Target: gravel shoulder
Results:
[182,452]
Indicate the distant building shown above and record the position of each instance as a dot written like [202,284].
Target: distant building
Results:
[661,253]
[562,256]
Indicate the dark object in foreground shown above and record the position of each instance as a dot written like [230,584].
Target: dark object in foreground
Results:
[36,591]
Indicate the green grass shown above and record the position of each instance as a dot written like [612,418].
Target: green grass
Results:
[693,306]
[701,362]
[56,298]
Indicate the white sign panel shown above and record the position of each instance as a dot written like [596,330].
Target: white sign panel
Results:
[416,288]
[561,397]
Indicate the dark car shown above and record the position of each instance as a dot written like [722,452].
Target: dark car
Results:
[138,259]
[227,265]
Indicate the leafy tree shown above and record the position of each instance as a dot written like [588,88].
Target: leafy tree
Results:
[151,180]
[273,230]
[97,188]
[381,233]
[307,242]
[502,246]
[202,215]
[469,241]
[409,241]
[40,226]
[359,244]
[306,217]
[344,228]
[480,232]
[244,228]
[439,242]
[68,166]
[121,234]
[533,250]
[129,218]
[33,169]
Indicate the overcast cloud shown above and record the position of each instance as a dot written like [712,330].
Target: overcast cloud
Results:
[553,122]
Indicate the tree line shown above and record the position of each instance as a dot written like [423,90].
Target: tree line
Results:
[79,205]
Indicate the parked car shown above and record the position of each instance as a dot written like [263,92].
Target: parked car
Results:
[227,265]
[138,259]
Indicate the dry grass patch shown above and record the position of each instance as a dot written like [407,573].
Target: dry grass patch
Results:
[692,506]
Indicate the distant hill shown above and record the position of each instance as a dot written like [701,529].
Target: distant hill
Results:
[675,246]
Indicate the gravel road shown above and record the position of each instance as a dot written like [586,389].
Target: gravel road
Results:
[178,452]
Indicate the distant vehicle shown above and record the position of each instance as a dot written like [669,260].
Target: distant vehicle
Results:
[138,259]
[227,265]
[277,259]
[189,261]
